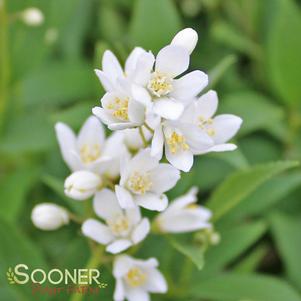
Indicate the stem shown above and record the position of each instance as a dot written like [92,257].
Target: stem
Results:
[4,62]
[93,263]
[142,137]
[148,127]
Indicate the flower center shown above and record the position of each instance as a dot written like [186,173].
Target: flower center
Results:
[206,125]
[139,183]
[119,108]
[160,84]
[90,152]
[120,225]
[177,142]
[135,277]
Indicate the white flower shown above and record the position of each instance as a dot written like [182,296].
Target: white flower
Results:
[48,216]
[184,215]
[112,71]
[143,182]
[135,279]
[119,109]
[32,16]
[220,128]
[122,228]
[82,184]
[181,142]
[90,150]
[186,38]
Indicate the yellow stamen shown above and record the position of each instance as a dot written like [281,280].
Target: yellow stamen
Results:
[119,225]
[160,84]
[119,108]
[139,183]
[207,125]
[135,277]
[90,152]
[177,142]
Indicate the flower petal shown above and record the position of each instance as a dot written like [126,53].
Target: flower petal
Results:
[226,126]
[141,231]
[118,246]
[186,38]
[143,161]
[141,95]
[182,160]
[124,197]
[121,266]
[189,85]
[172,60]
[225,147]
[131,61]
[97,231]
[91,133]
[105,81]
[206,105]
[105,204]
[157,143]
[143,69]
[136,112]
[156,282]
[119,291]
[67,143]
[152,201]
[164,177]
[136,294]
[110,65]
[168,108]
[103,115]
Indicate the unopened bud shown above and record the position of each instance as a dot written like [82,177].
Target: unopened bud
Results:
[186,38]
[32,16]
[48,216]
[82,184]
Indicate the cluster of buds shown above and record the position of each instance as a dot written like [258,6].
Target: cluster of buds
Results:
[152,110]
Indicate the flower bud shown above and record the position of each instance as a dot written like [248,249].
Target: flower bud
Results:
[48,216]
[81,185]
[186,38]
[32,16]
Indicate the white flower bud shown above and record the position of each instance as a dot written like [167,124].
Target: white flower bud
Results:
[48,216]
[32,16]
[81,185]
[186,38]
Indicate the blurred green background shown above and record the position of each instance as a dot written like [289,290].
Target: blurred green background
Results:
[252,52]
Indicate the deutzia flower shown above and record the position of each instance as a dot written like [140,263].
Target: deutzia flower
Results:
[123,228]
[48,216]
[82,184]
[220,128]
[184,215]
[169,93]
[119,110]
[135,279]
[181,142]
[143,182]
[90,150]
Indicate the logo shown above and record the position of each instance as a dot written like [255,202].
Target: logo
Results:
[56,281]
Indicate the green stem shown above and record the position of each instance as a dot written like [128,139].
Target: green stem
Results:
[148,127]
[93,263]
[142,137]
[4,62]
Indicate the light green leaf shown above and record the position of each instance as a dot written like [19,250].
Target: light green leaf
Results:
[241,184]
[283,48]
[193,252]
[286,230]
[253,287]
[149,19]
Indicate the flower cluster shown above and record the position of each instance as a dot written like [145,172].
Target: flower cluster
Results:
[152,109]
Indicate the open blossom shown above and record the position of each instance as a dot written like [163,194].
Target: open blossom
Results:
[220,128]
[82,184]
[135,279]
[184,215]
[90,150]
[122,228]
[48,216]
[181,142]
[143,182]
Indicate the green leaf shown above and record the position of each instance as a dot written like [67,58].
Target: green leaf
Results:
[13,190]
[149,18]
[253,287]
[257,111]
[234,241]
[16,249]
[193,252]
[286,230]
[267,195]
[241,184]
[283,48]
